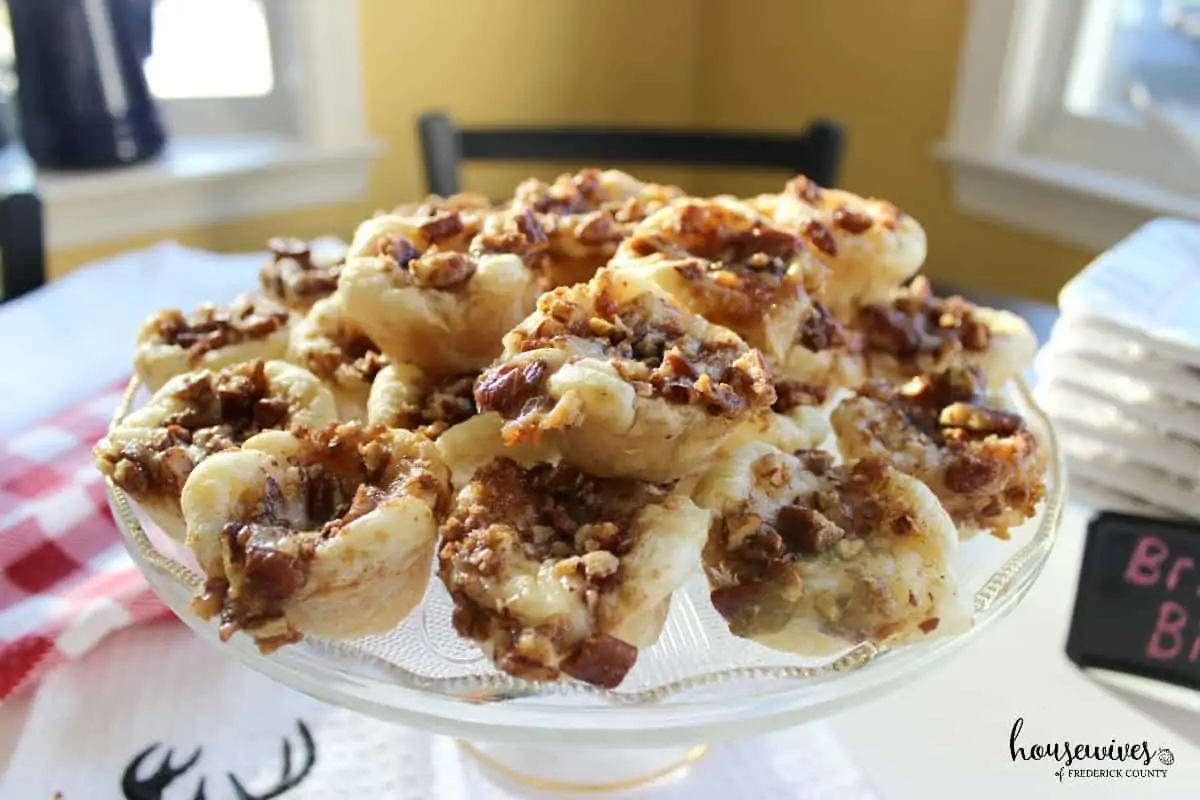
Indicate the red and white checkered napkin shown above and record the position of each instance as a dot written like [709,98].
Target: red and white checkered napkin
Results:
[65,578]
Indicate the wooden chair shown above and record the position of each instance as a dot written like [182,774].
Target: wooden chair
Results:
[816,151]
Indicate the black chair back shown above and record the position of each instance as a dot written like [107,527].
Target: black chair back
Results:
[816,151]
[22,250]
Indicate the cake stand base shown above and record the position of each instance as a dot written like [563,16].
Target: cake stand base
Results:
[580,769]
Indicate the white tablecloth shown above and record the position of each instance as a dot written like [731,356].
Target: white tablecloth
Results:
[944,735]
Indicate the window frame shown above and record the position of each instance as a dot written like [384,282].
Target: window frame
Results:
[1018,156]
[273,113]
[323,156]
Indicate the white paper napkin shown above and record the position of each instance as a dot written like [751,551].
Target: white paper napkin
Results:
[160,686]
[1149,282]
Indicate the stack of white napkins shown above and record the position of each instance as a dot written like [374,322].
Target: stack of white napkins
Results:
[1120,375]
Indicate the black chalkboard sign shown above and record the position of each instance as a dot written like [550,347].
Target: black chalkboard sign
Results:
[1137,609]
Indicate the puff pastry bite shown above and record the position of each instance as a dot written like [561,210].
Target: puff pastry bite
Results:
[297,275]
[170,343]
[328,532]
[914,332]
[413,288]
[554,573]
[727,263]
[152,451]
[406,396]
[870,245]
[983,463]
[586,215]
[463,202]
[443,409]
[331,346]
[627,381]
[808,557]
[797,420]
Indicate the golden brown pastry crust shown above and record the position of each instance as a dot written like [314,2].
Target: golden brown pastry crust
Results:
[984,464]
[810,557]
[411,285]
[732,266]
[331,346]
[915,332]
[296,277]
[170,343]
[627,382]
[870,245]
[152,451]
[557,573]
[462,202]
[586,215]
[327,532]
[405,396]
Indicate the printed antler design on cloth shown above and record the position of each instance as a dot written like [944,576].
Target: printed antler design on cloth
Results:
[287,781]
[153,786]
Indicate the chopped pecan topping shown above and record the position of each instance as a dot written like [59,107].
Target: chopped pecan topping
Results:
[441,270]
[442,225]
[598,228]
[449,401]
[984,463]
[601,660]
[222,410]
[822,330]
[792,394]
[719,374]
[852,220]
[915,323]
[717,234]
[967,474]
[212,327]
[293,276]
[507,388]
[510,518]
[336,479]
[519,232]
[400,249]
[979,419]
[806,530]
[821,237]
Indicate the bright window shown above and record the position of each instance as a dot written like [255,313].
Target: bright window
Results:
[213,66]
[189,35]
[1146,49]
[1079,118]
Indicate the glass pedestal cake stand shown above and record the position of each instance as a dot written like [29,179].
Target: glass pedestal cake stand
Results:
[696,685]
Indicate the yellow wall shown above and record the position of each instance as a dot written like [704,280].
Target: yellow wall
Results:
[883,68]
[617,61]
[886,70]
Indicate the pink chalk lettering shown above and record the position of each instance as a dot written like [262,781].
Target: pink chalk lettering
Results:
[1146,562]
[1167,639]
[1182,564]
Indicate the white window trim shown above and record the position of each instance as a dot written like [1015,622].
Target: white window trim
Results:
[201,182]
[1000,150]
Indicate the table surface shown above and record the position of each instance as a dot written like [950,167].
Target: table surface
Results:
[944,735]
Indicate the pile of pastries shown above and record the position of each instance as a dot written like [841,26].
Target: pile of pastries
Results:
[573,401]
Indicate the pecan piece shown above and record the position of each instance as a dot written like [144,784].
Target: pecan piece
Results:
[438,270]
[601,660]
[807,530]
[979,419]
